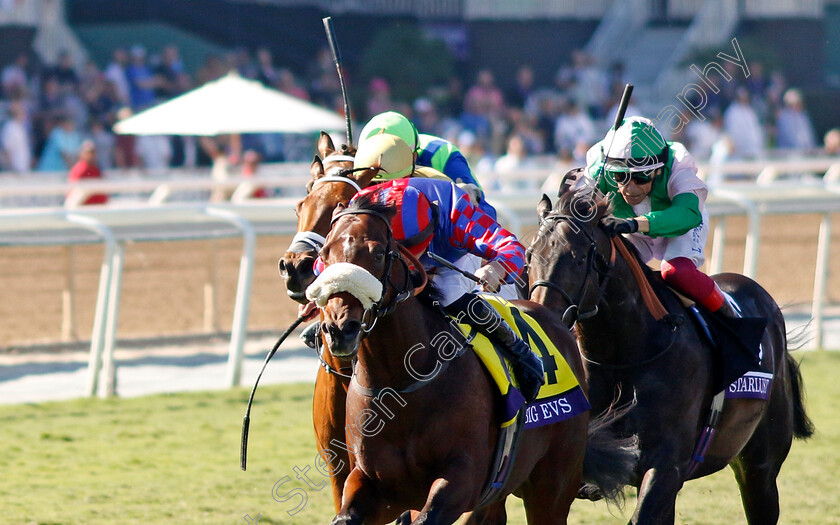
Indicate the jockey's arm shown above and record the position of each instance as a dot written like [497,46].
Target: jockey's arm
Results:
[478,233]
[682,216]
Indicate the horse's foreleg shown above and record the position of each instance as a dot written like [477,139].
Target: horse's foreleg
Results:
[450,495]
[329,400]
[658,496]
[360,502]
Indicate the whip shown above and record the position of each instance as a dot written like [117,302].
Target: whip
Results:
[336,54]
[246,421]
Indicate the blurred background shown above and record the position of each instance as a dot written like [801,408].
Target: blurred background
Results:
[532,80]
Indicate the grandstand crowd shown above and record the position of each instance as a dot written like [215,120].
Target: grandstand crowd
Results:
[47,111]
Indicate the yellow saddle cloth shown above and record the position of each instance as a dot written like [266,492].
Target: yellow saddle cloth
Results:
[561,397]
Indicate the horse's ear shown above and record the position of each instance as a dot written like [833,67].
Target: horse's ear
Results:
[325,145]
[544,207]
[316,168]
[364,177]
[569,180]
[339,208]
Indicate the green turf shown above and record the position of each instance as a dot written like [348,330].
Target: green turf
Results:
[175,459]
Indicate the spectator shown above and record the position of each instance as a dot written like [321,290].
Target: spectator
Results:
[514,159]
[573,127]
[125,150]
[15,147]
[62,147]
[116,73]
[523,88]
[743,128]
[105,144]
[702,135]
[64,73]
[167,73]
[794,130]
[378,97]
[831,142]
[426,118]
[265,67]
[250,165]
[154,152]
[85,168]
[14,77]
[141,81]
[287,83]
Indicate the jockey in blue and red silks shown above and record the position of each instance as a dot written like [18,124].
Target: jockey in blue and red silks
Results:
[435,216]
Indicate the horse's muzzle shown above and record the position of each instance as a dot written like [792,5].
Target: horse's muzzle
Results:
[296,271]
[343,341]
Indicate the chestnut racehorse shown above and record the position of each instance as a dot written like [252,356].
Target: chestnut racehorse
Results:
[665,364]
[433,448]
[328,187]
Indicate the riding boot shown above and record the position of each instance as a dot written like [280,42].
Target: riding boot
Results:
[310,333]
[729,308]
[527,367]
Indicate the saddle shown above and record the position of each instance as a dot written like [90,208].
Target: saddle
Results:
[738,341]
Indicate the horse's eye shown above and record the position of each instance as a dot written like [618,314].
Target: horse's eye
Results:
[379,257]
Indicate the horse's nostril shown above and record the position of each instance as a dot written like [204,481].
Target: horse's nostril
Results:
[281,265]
[306,266]
[351,329]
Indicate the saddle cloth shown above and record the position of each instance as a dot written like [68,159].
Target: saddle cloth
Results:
[738,367]
[560,398]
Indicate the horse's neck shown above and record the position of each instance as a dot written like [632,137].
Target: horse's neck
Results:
[382,355]
[623,320]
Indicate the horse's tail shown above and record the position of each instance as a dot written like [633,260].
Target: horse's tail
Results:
[803,427]
[610,459]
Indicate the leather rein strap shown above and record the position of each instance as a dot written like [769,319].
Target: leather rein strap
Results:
[654,305]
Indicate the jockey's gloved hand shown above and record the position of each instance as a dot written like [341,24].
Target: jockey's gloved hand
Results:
[492,276]
[615,226]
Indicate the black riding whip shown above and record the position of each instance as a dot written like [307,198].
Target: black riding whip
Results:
[336,54]
[619,118]
[246,421]
[451,266]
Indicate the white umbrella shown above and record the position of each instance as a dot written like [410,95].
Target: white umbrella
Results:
[229,105]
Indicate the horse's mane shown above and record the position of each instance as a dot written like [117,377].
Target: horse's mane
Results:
[584,203]
[371,203]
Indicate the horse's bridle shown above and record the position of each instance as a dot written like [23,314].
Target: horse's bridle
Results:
[377,310]
[308,241]
[572,313]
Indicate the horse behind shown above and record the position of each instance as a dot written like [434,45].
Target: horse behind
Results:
[428,443]
[665,364]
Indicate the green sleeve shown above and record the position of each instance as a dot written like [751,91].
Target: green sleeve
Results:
[680,217]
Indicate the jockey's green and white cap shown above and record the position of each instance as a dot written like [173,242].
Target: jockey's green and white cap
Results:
[389,153]
[636,146]
[392,123]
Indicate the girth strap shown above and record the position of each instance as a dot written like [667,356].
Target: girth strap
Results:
[654,305]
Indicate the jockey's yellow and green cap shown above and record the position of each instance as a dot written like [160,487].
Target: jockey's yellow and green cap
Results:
[635,146]
[389,153]
[392,123]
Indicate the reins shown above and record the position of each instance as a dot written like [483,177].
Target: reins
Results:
[572,313]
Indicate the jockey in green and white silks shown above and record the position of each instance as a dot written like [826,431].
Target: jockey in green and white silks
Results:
[659,203]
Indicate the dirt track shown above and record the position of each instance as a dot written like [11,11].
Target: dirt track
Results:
[163,285]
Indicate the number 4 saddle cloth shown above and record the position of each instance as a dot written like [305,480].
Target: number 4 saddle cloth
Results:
[560,398]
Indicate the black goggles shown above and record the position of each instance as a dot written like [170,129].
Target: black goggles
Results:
[622,178]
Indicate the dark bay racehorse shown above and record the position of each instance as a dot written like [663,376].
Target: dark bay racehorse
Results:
[428,444]
[328,187]
[665,365]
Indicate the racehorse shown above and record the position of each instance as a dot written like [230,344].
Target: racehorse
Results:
[432,448]
[664,365]
[328,187]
